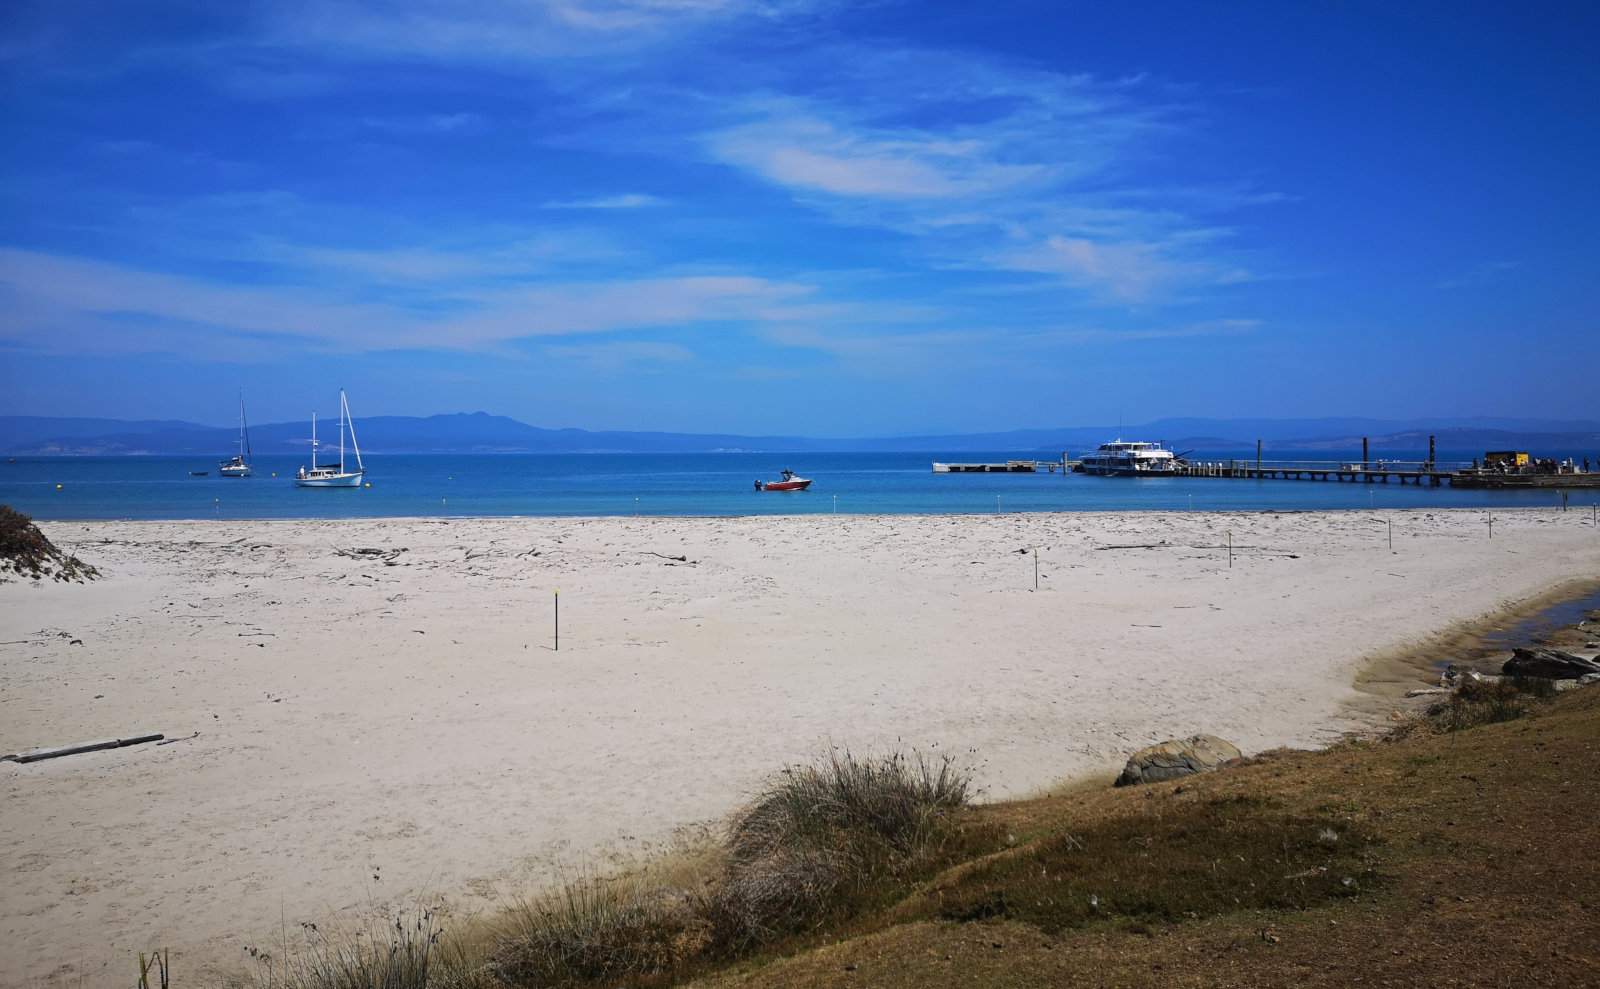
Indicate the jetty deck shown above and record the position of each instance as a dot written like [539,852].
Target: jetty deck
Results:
[1418,472]
[1008,467]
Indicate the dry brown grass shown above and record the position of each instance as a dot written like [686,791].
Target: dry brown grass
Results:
[823,840]
[409,950]
[1467,849]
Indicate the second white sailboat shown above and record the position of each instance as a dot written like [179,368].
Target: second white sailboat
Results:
[329,476]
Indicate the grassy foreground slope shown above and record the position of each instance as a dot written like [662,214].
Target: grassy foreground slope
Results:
[1466,858]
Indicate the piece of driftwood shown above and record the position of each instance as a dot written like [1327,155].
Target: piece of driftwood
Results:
[675,559]
[56,752]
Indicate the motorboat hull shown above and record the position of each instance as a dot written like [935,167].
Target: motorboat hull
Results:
[331,481]
[796,485]
[1121,470]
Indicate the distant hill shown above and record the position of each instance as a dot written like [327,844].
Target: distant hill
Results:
[479,432]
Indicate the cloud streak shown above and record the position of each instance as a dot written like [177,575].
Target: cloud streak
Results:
[628,200]
[50,292]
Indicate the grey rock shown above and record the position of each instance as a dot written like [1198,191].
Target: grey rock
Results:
[1174,758]
[1548,664]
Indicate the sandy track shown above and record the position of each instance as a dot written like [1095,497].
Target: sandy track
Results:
[410,722]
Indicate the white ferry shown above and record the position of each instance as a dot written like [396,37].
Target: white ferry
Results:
[1124,459]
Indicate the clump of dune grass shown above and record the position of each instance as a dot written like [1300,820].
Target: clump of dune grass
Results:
[27,553]
[596,930]
[1478,702]
[408,951]
[820,836]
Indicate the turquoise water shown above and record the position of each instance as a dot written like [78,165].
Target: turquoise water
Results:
[675,484]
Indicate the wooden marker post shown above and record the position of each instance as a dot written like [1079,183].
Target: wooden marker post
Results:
[1491,525]
[1230,549]
[557,616]
[1391,532]
[1036,568]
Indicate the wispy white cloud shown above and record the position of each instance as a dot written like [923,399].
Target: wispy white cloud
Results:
[467,263]
[630,200]
[429,123]
[49,292]
[501,29]
[990,165]
[875,352]
[622,355]
[811,154]
[1129,270]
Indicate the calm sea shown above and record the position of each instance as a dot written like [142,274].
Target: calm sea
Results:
[674,484]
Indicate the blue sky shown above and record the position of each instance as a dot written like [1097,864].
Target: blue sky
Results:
[800,217]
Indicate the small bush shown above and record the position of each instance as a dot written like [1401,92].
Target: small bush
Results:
[25,552]
[821,835]
[593,930]
[1477,702]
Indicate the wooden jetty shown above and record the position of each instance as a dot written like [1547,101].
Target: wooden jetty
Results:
[1416,472]
[1009,467]
[1356,472]
[1498,471]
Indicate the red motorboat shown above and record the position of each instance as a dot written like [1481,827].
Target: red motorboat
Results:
[789,483]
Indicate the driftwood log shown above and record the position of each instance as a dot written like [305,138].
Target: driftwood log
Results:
[56,752]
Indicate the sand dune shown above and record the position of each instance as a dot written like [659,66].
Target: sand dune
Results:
[374,725]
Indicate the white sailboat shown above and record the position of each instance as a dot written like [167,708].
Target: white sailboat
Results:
[329,476]
[239,466]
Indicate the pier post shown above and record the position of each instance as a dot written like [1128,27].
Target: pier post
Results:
[1258,457]
[1431,445]
[1363,452]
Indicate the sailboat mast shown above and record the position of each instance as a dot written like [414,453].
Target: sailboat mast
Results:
[313,441]
[344,403]
[341,430]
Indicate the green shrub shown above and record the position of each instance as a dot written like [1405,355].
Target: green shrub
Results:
[594,930]
[821,836]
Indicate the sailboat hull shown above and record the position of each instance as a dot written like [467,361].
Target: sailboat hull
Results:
[234,471]
[330,481]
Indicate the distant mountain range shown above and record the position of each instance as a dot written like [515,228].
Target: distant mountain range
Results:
[479,432]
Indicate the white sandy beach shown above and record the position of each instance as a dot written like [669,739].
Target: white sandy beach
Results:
[411,722]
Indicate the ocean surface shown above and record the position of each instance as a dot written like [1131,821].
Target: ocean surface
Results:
[678,484]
